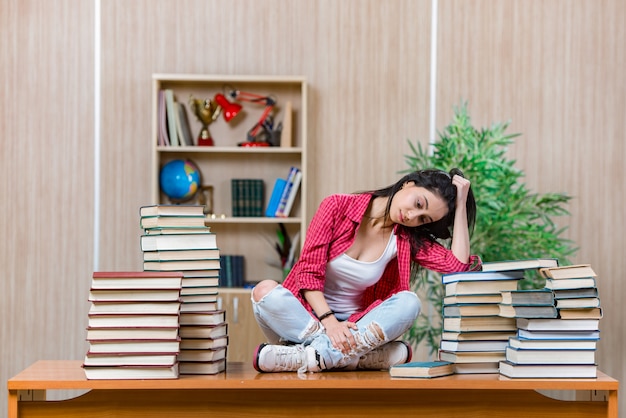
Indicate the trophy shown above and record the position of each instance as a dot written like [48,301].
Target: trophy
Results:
[207,112]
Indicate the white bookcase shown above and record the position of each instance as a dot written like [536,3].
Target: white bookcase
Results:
[253,237]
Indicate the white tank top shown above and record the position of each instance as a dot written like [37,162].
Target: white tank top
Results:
[347,278]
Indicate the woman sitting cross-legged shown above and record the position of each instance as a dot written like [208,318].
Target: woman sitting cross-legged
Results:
[347,299]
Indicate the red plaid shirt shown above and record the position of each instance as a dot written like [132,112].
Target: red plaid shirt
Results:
[333,230]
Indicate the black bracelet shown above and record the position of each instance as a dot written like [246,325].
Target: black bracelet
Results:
[326,315]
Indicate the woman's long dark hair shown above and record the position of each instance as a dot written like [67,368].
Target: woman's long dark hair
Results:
[440,183]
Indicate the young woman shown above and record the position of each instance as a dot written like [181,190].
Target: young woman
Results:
[348,298]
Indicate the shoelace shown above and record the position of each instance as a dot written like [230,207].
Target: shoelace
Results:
[287,360]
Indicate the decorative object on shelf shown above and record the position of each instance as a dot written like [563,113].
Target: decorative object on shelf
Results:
[262,133]
[207,111]
[180,180]
[205,198]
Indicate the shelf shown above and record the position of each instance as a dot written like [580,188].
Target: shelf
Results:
[251,220]
[232,150]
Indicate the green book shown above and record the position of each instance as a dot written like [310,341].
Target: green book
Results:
[422,369]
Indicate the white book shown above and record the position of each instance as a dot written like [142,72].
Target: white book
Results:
[291,197]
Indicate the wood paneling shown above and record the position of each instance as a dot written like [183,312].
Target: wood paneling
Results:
[46,195]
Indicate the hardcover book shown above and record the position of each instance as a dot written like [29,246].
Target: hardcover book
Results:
[528,311]
[481,276]
[478,345]
[104,280]
[178,242]
[199,367]
[522,264]
[422,369]
[479,287]
[528,297]
[548,371]
[568,272]
[131,372]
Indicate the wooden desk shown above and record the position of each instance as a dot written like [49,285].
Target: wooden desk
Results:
[242,392]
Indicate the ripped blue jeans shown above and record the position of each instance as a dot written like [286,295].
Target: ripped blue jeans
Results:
[283,319]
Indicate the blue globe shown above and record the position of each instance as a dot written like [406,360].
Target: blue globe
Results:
[180,180]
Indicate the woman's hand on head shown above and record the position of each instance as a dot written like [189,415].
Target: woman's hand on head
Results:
[462,189]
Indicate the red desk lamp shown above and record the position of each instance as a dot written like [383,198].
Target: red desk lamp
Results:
[259,134]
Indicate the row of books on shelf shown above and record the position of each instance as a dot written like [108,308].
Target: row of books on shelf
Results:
[284,194]
[247,196]
[173,122]
[232,271]
[491,326]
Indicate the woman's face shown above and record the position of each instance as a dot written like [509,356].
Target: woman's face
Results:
[414,206]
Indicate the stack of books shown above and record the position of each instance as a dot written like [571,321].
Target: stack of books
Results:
[133,325]
[474,335]
[190,248]
[562,347]
[575,291]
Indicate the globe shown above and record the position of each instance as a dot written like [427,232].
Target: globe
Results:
[180,180]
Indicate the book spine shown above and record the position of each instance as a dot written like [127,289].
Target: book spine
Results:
[277,192]
[257,197]
[292,194]
[284,197]
[163,136]
[171,117]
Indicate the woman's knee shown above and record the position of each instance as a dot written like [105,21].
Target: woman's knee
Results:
[410,302]
[263,288]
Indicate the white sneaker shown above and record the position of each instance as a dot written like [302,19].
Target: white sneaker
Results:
[385,356]
[286,358]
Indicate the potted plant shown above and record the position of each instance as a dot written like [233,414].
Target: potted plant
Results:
[511,222]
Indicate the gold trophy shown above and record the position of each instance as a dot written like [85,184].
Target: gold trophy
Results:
[207,112]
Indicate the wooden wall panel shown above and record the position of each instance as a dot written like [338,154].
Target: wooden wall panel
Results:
[556,70]
[553,68]
[364,62]
[46,192]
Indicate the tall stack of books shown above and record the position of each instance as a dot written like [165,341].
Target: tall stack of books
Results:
[175,238]
[474,336]
[133,325]
[562,347]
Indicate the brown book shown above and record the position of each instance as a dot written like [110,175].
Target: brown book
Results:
[202,355]
[132,333]
[203,318]
[480,287]
[202,367]
[478,309]
[568,272]
[136,280]
[137,295]
[581,313]
[203,331]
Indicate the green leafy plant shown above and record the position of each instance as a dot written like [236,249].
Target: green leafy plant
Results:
[511,222]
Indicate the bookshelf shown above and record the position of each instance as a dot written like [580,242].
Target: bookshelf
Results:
[252,237]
